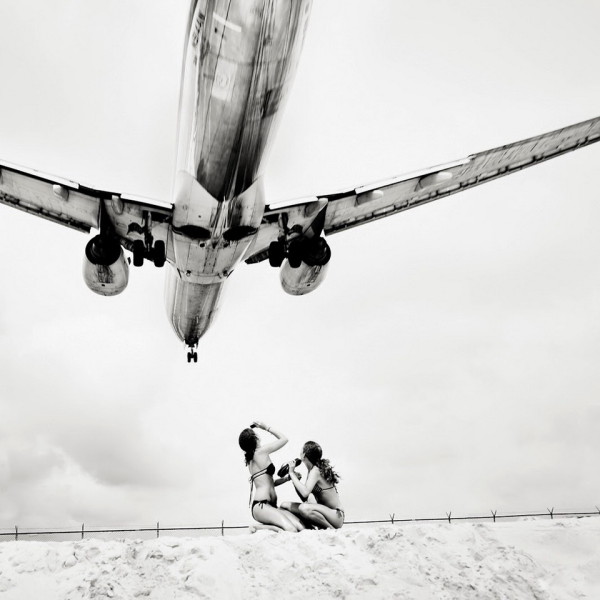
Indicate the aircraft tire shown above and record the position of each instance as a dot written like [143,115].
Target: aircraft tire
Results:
[160,254]
[276,254]
[138,253]
[295,254]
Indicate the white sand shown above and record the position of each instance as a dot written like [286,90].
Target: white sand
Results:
[524,559]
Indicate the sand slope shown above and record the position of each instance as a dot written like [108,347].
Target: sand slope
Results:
[525,559]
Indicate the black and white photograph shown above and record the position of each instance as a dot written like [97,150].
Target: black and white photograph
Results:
[235,362]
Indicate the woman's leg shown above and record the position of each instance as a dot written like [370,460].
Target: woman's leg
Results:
[316,514]
[269,515]
[294,508]
[298,524]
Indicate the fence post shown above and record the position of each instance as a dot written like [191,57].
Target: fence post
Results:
[551,511]
[449,515]
[157,529]
[82,530]
[494,515]
[223,527]
[392,517]
[16,533]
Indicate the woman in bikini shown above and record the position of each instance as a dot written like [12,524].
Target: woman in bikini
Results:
[321,481]
[264,506]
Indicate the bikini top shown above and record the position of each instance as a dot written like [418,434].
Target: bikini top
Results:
[268,470]
[318,489]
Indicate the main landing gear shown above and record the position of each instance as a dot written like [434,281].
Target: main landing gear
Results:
[147,248]
[313,251]
[157,253]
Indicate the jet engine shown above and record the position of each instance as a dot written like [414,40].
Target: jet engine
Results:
[301,280]
[313,257]
[105,270]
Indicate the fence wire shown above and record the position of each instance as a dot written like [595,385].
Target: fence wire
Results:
[146,533]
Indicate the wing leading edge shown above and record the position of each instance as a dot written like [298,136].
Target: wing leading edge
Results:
[364,204]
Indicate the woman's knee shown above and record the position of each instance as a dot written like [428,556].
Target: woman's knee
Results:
[305,510]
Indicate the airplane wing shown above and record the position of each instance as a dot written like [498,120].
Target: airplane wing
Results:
[80,207]
[359,205]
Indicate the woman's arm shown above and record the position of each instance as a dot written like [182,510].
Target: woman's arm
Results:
[304,490]
[285,479]
[273,446]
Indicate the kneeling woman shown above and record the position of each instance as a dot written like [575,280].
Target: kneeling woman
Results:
[264,507]
[327,513]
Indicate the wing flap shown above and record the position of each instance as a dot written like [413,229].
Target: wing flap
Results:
[52,199]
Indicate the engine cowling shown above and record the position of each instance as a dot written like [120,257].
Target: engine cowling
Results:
[105,269]
[303,279]
[309,259]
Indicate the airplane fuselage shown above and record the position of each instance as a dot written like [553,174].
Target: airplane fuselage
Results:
[239,59]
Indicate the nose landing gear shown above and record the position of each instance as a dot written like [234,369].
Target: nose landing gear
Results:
[192,355]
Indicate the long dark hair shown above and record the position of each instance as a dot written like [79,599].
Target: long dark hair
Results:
[248,441]
[314,453]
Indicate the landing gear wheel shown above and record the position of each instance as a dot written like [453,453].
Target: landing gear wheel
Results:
[138,253]
[276,254]
[295,254]
[159,253]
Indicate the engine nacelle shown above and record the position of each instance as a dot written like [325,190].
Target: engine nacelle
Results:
[105,269]
[303,279]
[306,265]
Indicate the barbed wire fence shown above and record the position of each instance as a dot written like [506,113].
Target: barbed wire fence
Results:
[66,534]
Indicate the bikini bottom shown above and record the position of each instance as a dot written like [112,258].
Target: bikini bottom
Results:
[261,503]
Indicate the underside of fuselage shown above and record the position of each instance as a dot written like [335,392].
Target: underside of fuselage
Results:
[239,58]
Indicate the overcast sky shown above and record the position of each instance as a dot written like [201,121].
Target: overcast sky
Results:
[450,360]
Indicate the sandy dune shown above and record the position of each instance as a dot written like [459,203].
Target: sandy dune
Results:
[525,559]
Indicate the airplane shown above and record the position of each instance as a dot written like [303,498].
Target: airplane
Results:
[239,59]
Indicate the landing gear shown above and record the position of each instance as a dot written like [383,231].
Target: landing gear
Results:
[276,253]
[312,251]
[157,253]
[295,254]
[192,355]
[138,253]
[147,248]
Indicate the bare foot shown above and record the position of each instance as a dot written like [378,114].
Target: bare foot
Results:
[255,528]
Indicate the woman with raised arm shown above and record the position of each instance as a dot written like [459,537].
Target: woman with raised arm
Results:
[321,482]
[264,505]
